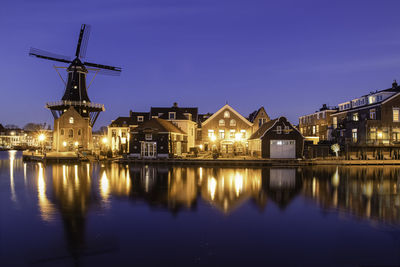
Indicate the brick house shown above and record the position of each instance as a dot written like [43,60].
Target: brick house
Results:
[157,138]
[258,118]
[226,131]
[277,138]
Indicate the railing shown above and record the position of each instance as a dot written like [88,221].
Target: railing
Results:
[74,103]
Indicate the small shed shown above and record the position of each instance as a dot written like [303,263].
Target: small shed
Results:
[277,139]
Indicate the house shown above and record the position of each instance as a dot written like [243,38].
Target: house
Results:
[277,138]
[120,128]
[226,131]
[184,118]
[157,138]
[72,131]
[258,118]
[372,119]
[317,126]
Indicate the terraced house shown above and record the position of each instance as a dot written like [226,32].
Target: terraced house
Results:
[372,119]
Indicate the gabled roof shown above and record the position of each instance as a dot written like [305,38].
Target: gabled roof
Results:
[260,132]
[131,120]
[254,114]
[232,110]
[159,125]
[179,112]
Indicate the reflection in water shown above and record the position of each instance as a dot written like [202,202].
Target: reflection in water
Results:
[45,206]
[12,185]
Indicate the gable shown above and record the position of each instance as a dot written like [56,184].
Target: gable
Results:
[220,113]
[71,112]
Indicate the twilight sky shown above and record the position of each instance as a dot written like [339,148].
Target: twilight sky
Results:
[289,56]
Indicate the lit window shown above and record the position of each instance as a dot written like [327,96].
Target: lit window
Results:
[71,120]
[396,114]
[354,135]
[232,122]
[372,114]
[148,136]
[278,129]
[140,118]
[243,133]
[210,133]
[313,129]
[287,130]
[62,131]
[232,134]
[317,128]
[371,99]
[221,134]
[221,122]
[227,114]
[334,122]
[355,116]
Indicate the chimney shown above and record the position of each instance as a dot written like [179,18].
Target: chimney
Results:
[175,105]
[394,84]
[130,113]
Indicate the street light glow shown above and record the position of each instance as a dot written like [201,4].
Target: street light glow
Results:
[42,137]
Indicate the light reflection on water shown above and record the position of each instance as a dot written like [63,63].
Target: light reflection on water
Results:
[69,195]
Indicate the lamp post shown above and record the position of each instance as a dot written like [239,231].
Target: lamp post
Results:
[41,139]
[104,141]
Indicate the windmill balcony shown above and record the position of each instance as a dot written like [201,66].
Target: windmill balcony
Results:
[64,103]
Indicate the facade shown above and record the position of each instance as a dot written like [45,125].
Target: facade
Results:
[226,131]
[157,138]
[277,138]
[372,119]
[119,130]
[72,131]
[317,126]
[185,118]
[258,118]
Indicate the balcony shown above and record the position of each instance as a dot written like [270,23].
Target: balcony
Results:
[63,104]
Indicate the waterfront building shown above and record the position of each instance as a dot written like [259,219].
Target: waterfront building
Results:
[317,126]
[277,138]
[157,138]
[372,119]
[119,130]
[23,139]
[185,118]
[258,118]
[226,131]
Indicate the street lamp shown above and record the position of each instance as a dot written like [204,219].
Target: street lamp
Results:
[41,139]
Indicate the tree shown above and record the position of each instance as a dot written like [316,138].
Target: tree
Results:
[11,126]
[34,126]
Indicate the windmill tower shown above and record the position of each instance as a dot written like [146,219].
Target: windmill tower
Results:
[74,115]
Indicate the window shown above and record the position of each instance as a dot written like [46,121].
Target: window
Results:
[232,122]
[317,129]
[371,99]
[243,133]
[334,122]
[396,114]
[62,131]
[210,133]
[287,130]
[148,136]
[354,135]
[372,133]
[232,134]
[71,120]
[171,115]
[140,118]
[323,115]
[355,116]
[221,122]
[70,133]
[113,133]
[279,129]
[222,134]
[396,134]
[227,114]
[188,116]
[79,131]
[313,129]
[372,114]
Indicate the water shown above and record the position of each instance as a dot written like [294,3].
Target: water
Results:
[118,215]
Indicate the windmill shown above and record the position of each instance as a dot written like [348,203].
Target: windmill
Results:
[76,94]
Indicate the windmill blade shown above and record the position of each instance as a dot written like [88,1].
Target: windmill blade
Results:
[48,55]
[83,41]
[104,72]
[117,70]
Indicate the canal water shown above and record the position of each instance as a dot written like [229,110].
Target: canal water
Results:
[121,215]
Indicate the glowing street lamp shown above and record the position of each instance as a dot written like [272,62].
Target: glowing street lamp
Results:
[41,139]
[104,140]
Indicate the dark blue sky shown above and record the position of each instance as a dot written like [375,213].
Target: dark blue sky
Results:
[288,56]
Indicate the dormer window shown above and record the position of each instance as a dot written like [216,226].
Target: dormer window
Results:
[371,99]
[171,115]
[140,118]
[71,120]
[188,116]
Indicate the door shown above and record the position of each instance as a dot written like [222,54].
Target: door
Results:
[283,149]
[149,150]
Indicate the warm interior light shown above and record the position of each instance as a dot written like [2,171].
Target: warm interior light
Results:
[379,135]
[104,140]
[76,143]
[213,138]
[64,144]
